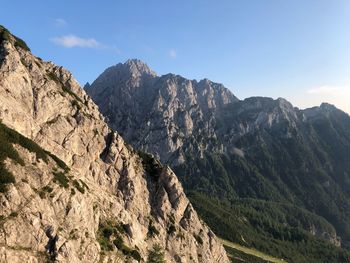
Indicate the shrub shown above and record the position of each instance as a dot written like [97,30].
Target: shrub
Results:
[156,255]
[5,178]
[198,238]
[61,179]
[127,251]
[136,255]
[17,42]
[7,138]
[151,165]
[80,188]
[59,162]
[171,229]
[152,230]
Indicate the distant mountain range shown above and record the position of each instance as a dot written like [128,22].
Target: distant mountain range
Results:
[260,171]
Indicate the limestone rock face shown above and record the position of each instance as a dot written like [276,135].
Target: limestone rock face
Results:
[112,205]
[158,114]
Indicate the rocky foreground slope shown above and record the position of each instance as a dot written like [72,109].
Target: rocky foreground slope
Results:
[98,200]
[260,171]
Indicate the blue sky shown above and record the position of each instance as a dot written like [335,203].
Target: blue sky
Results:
[297,49]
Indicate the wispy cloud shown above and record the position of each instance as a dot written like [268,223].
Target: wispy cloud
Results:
[326,90]
[70,41]
[60,22]
[172,53]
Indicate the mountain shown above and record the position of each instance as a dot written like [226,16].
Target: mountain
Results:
[260,171]
[159,114]
[71,189]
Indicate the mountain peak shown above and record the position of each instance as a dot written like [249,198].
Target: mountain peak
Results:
[137,67]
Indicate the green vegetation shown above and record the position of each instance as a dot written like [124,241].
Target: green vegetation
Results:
[8,137]
[273,228]
[109,237]
[241,254]
[156,255]
[198,238]
[45,190]
[119,244]
[61,179]
[104,239]
[65,89]
[171,230]
[59,162]
[13,214]
[78,186]
[152,230]
[151,165]
[289,181]
[16,41]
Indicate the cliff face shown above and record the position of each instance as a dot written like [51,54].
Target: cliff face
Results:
[258,148]
[108,203]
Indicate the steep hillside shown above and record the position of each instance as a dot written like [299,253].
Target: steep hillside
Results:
[71,189]
[259,148]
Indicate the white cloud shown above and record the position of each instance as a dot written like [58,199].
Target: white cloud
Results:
[172,53]
[326,90]
[60,22]
[70,41]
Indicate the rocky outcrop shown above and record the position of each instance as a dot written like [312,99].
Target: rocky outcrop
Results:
[112,204]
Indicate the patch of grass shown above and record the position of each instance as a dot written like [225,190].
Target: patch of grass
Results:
[20,43]
[61,179]
[16,41]
[121,228]
[5,35]
[79,187]
[127,251]
[45,190]
[53,77]
[59,162]
[156,255]
[84,184]
[13,214]
[76,104]
[198,238]
[108,235]
[249,251]
[103,237]
[24,62]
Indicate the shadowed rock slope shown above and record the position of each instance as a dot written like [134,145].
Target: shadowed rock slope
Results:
[71,189]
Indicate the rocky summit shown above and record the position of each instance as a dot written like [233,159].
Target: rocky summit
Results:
[158,114]
[260,171]
[71,189]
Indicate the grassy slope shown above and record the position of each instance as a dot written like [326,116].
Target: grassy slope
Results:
[238,253]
